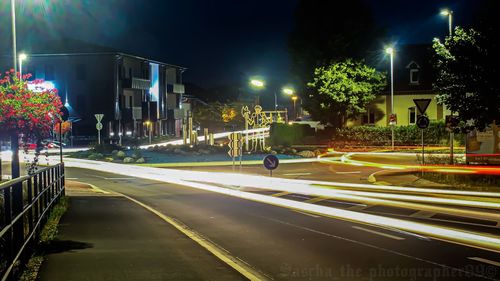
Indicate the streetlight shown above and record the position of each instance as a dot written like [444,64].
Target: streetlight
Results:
[148,127]
[14,138]
[257,84]
[291,92]
[390,51]
[22,57]
[449,14]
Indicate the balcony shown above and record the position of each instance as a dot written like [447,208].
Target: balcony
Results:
[136,83]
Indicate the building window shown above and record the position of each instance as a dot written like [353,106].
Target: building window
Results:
[414,76]
[49,73]
[81,72]
[412,115]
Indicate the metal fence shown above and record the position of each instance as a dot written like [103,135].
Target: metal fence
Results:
[25,203]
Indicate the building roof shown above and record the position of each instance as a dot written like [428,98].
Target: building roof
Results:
[74,47]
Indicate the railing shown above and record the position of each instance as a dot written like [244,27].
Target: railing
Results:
[25,203]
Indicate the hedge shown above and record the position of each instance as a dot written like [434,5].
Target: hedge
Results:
[285,134]
[436,134]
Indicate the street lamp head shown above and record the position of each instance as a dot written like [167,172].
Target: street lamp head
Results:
[389,50]
[288,91]
[446,12]
[22,56]
[294,98]
[257,83]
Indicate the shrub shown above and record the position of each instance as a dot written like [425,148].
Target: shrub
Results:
[96,156]
[436,134]
[284,134]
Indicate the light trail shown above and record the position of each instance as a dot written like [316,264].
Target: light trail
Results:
[187,178]
[202,138]
[455,169]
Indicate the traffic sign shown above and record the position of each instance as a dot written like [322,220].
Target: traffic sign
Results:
[393,119]
[271,162]
[235,144]
[98,126]
[422,104]
[423,122]
[99,117]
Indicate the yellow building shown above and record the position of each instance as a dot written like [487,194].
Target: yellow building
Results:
[413,77]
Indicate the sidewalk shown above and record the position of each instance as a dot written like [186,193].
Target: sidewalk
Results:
[108,237]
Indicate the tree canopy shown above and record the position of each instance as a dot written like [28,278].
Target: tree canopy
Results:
[467,78]
[343,90]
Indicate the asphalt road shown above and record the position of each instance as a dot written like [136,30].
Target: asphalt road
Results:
[288,245]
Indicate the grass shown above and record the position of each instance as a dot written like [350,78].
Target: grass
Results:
[488,183]
[47,235]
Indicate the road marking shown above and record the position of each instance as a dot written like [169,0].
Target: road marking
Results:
[97,189]
[315,200]
[354,172]
[307,214]
[217,251]
[495,263]
[423,214]
[280,194]
[71,178]
[297,174]
[379,233]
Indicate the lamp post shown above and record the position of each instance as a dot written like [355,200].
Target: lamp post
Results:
[14,138]
[291,92]
[22,57]
[390,51]
[257,84]
[449,14]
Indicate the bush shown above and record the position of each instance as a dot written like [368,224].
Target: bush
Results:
[436,134]
[128,160]
[284,134]
[96,156]
[104,148]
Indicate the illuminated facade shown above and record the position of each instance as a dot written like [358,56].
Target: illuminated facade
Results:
[413,77]
[127,89]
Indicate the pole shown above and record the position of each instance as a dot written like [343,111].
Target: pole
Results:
[392,99]
[60,142]
[14,138]
[150,131]
[423,152]
[294,110]
[450,23]
[20,68]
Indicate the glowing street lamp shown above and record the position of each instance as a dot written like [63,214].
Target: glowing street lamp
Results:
[22,57]
[390,52]
[449,14]
[257,83]
[288,91]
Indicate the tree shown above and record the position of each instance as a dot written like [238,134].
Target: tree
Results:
[342,90]
[467,77]
[218,115]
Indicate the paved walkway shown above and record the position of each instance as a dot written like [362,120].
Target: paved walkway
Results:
[107,237]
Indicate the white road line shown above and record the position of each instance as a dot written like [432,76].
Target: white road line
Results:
[307,214]
[379,233]
[71,178]
[495,263]
[354,172]
[297,174]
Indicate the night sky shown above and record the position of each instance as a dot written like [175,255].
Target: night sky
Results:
[221,42]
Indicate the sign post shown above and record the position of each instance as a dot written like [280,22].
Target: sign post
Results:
[98,126]
[271,162]
[422,121]
[64,118]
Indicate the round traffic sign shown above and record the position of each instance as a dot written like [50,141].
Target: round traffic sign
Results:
[98,126]
[423,122]
[271,162]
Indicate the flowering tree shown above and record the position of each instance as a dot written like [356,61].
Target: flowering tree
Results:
[24,112]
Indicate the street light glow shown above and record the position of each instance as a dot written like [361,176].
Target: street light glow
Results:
[288,91]
[257,83]
[389,50]
[23,56]
[445,12]
[294,98]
